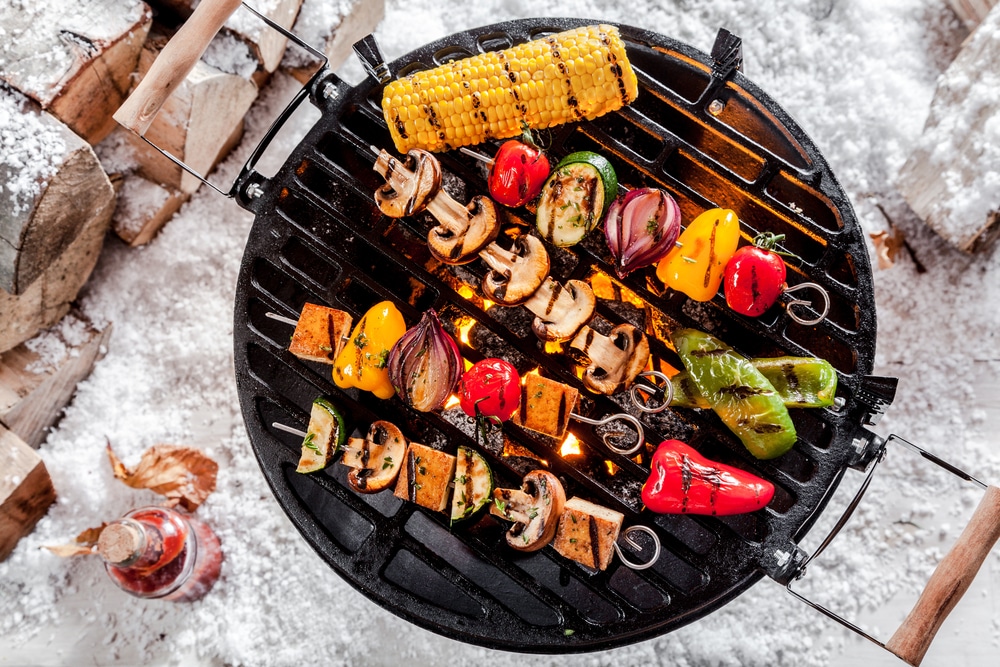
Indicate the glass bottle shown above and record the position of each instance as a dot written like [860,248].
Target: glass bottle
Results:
[156,552]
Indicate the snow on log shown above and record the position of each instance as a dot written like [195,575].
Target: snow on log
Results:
[198,124]
[52,190]
[26,490]
[39,377]
[972,12]
[143,208]
[333,28]
[74,59]
[952,178]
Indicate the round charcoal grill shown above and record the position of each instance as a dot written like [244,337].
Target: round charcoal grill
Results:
[700,130]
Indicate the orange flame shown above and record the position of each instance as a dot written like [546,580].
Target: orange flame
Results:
[452,401]
[612,468]
[570,446]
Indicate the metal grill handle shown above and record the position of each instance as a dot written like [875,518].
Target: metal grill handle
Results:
[951,578]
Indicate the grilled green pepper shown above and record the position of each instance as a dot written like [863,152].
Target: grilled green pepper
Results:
[802,382]
[742,397]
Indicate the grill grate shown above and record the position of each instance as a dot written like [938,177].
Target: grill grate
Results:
[319,237]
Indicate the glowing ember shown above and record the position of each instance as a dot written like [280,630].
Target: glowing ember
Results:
[487,304]
[466,292]
[464,326]
[453,400]
[570,446]
[612,468]
[553,348]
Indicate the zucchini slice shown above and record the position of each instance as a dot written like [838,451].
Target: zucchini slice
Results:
[473,485]
[325,436]
[575,198]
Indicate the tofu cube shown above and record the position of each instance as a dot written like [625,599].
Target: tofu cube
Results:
[319,334]
[425,476]
[587,533]
[545,405]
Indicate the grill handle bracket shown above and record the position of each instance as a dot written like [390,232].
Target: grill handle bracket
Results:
[946,586]
[370,55]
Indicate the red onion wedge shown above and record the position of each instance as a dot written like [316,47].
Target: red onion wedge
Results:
[425,364]
[641,228]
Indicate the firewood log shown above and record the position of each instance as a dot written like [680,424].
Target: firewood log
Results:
[950,178]
[26,490]
[75,59]
[972,12]
[143,208]
[332,28]
[38,377]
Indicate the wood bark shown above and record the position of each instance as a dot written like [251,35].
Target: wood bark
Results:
[950,178]
[26,490]
[48,298]
[972,12]
[75,60]
[35,390]
[332,30]
[198,124]
[38,230]
[143,208]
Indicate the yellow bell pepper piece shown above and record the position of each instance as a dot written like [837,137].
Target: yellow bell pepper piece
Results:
[697,264]
[364,361]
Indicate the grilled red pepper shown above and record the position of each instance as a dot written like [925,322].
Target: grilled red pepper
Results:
[518,173]
[755,276]
[682,481]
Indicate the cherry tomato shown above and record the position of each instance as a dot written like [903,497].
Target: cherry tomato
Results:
[518,173]
[755,277]
[493,388]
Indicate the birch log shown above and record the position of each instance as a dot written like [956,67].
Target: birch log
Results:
[952,178]
[74,59]
[55,206]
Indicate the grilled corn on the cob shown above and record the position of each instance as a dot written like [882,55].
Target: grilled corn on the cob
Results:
[573,75]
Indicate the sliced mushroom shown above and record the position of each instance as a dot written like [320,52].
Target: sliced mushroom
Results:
[561,310]
[462,230]
[410,186]
[534,508]
[615,360]
[516,274]
[376,459]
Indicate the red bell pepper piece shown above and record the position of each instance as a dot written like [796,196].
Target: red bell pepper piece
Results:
[682,481]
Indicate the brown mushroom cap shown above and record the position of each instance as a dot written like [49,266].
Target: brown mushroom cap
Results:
[534,509]
[514,276]
[386,448]
[462,231]
[409,186]
[561,310]
[614,360]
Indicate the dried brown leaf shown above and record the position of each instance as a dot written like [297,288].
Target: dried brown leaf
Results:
[887,246]
[184,475]
[83,545]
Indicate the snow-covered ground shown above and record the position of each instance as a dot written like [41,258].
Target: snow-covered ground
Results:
[857,75]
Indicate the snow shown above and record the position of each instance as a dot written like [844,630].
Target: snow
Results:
[858,76]
[31,148]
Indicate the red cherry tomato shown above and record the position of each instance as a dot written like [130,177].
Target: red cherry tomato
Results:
[518,173]
[493,388]
[755,277]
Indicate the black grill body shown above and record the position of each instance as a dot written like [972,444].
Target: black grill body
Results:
[319,237]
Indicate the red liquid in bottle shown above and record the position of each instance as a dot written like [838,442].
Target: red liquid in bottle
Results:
[155,552]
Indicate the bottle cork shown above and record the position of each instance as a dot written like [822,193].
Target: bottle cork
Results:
[120,543]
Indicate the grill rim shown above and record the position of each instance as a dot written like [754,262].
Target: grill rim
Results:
[272,462]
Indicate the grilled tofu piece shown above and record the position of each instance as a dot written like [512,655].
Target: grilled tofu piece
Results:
[587,533]
[320,333]
[546,405]
[425,476]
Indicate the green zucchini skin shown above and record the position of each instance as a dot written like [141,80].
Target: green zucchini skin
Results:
[802,382]
[575,198]
[745,401]
[473,486]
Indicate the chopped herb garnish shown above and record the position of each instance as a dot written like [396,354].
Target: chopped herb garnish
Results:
[422,470]
[309,444]
[326,348]
[568,631]
[387,462]
[501,505]
[532,512]
[383,358]
[572,540]
[361,340]
[652,225]
[538,394]
[573,517]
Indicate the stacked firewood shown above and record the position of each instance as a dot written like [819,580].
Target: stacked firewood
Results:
[68,174]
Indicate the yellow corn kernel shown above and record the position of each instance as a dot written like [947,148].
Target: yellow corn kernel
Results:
[577,74]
